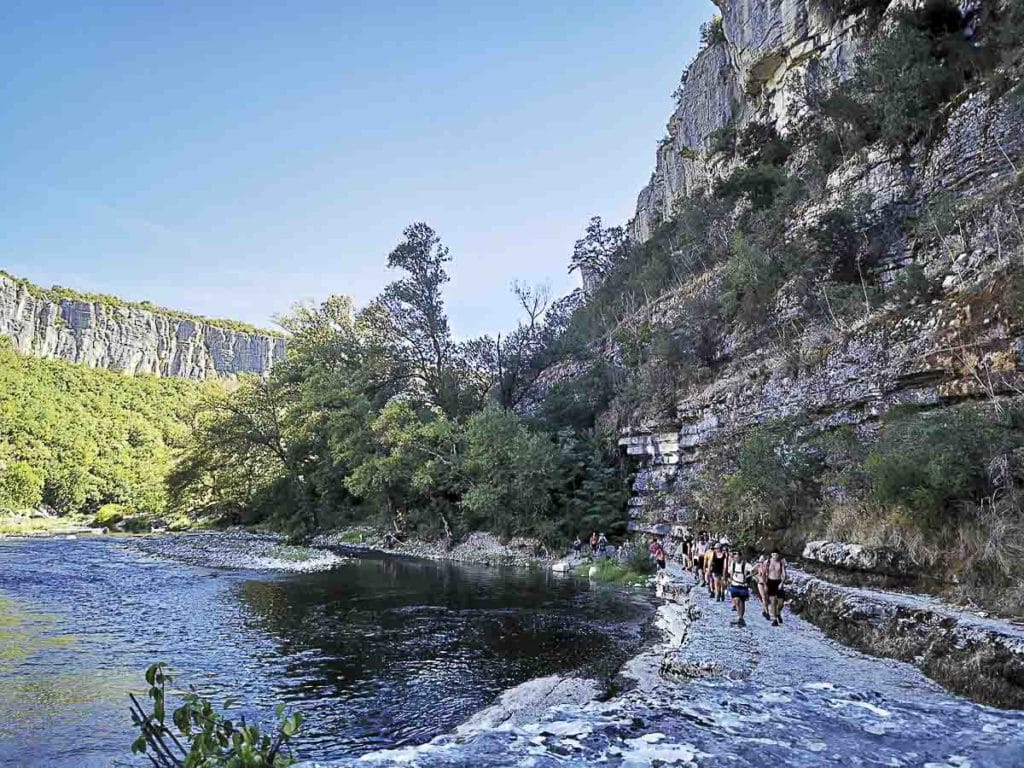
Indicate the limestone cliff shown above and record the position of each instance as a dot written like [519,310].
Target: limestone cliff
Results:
[130,338]
[769,56]
[963,342]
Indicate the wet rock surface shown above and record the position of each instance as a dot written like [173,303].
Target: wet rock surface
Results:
[974,655]
[525,703]
[761,695]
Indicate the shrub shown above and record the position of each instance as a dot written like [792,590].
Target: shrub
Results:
[933,465]
[905,75]
[609,571]
[639,560]
[723,141]
[753,275]
[760,144]
[912,286]
[201,736]
[757,184]
[770,486]
[21,485]
[712,32]
[109,515]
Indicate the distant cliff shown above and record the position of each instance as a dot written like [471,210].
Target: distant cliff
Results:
[102,332]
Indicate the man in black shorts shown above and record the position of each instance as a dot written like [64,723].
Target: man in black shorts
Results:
[775,577]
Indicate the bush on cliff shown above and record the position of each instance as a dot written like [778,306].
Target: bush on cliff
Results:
[906,73]
[770,485]
[938,466]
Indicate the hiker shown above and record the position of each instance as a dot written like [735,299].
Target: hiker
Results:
[602,544]
[687,550]
[762,585]
[775,577]
[700,550]
[593,544]
[577,547]
[709,578]
[740,574]
[717,568]
[660,558]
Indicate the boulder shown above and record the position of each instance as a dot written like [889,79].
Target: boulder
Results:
[858,557]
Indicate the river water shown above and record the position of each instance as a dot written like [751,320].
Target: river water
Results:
[377,653]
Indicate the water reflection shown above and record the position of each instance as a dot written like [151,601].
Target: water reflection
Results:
[409,648]
[376,653]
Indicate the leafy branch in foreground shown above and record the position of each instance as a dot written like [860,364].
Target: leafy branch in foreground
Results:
[201,736]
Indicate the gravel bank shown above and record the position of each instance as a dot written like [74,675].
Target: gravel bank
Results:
[479,548]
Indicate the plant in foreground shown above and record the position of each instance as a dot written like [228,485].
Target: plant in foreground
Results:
[202,736]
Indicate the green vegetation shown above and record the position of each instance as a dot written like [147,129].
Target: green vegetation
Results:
[381,417]
[200,735]
[58,293]
[77,439]
[943,486]
[712,32]
[635,571]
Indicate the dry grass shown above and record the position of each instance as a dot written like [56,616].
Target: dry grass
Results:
[23,525]
[979,555]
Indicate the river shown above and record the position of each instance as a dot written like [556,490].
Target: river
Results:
[376,652]
[386,657]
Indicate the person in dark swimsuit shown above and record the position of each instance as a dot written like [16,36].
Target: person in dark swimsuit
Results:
[718,573]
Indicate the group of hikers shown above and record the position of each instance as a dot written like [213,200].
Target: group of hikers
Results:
[598,544]
[726,569]
[720,567]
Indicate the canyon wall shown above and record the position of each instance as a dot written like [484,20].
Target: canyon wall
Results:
[129,338]
[964,343]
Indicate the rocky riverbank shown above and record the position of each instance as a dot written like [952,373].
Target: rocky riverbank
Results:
[740,696]
[236,550]
[478,548]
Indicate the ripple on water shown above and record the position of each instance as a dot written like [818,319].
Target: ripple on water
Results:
[377,653]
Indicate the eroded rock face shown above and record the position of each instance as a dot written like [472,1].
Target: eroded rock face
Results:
[774,53]
[821,371]
[978,657]
[857,557]
[130,339]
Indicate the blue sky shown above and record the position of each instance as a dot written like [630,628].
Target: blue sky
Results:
[230,158]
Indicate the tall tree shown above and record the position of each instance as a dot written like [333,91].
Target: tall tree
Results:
[597,252]
[408,323]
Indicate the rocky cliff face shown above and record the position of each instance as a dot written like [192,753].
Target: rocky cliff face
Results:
[129,338]
[961,343]
[772,55]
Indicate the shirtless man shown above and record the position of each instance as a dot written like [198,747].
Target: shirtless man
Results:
[762,584]
[775,577]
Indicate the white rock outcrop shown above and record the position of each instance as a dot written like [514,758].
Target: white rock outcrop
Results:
[128,338]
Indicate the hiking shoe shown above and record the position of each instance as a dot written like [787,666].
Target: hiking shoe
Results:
[775,623]
[740,623]
[766,616]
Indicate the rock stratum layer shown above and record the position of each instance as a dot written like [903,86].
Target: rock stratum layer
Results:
[962,343]
[130,339]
